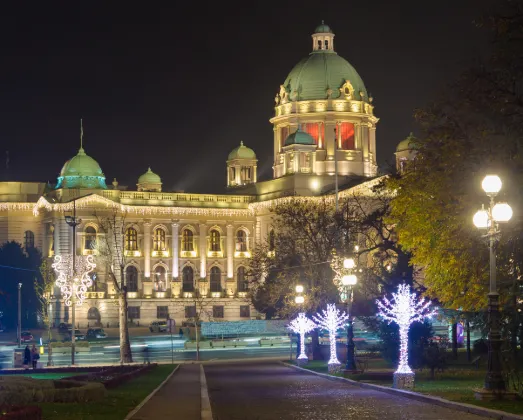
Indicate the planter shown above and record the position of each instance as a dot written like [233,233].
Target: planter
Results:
[228,343]
[191,345]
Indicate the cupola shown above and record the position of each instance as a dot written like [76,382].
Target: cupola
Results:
[149,181]
[241,166]
[405,152]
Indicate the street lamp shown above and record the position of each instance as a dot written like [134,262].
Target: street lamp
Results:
[299,299]
[19,315]
[489,219]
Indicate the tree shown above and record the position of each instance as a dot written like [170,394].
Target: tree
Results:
[332,320]
[301,325]
[44,285]
[110,251]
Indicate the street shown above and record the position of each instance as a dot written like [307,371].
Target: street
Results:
[259,391]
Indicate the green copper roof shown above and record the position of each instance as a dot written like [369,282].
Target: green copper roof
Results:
[322,28]
[410,143]
[82,171]
[242,152]
[322,70]
[149,178]
[299,137]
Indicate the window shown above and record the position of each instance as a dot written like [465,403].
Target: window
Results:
[190,311]
[159,240]
[187,240]
[131,278]
[90,237]
[346,137]
[326,44]
[93,314]
[245,311]
[241,241]
[29,239]
[215,241]
[160,279]
[271,240]
[188,279]
[133,312]
[131,239]
[243,284]
[216,279]
[217,312]
[162,312]
[319,44]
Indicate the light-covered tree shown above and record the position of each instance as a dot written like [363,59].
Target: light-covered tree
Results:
[302,325]
[332,320]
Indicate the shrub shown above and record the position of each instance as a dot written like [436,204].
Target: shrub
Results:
[10,412]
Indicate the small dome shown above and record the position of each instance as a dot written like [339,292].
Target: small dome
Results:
[410,143]
[82,171]
[299,137]
[321,29]
[149,178]
[242,152]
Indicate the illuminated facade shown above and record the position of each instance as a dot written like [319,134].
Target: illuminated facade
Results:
[181,245]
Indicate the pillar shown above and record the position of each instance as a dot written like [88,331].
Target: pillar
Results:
[330,137]
[147,247]
[174,245]
[230,251]
[203,250]
[56,235]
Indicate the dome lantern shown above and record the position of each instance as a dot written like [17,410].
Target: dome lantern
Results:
[323,38]
[149,181]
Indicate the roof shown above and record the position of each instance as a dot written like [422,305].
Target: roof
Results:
[242,152]
[299,137]
[323,28]
[149,178]
[410,143]
[82,171]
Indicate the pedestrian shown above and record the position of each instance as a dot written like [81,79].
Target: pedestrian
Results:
[181,333]
[146,355]
[27,356]
[34,356]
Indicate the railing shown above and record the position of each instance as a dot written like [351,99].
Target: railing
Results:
[160,254]
[95,295]
[132,253]
[143,195]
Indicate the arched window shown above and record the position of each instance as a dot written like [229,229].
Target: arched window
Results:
[188,279]
[131,277]
[271,240]
[326,44]
[187,240]
[159,240]
[29,239]
[216,279]
[241,241]
[93,314]
[160,279]
[131,239]
[90,237]
[241,278]
[215,241]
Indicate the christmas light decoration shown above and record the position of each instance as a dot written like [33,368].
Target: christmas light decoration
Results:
[301,325]
[404,308]
[76,283]
[331,319]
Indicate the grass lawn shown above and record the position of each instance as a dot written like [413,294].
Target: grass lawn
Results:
[118,403]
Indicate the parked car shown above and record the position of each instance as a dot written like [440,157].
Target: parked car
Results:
[26,336]
[78,335]
[94,333]
[158,326]
[64,328]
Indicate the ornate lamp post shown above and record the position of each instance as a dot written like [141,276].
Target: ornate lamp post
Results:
[299,299]
[489,220]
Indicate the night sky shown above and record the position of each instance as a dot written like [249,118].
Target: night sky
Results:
[177,87]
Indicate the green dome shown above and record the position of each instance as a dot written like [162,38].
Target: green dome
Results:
[149,178]
[299,137]
[82,171]
[242,152]
[321,71]
[410,143]
[321,29]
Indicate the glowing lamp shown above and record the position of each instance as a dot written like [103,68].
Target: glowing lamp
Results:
[299,299]
[491,184]
[356,248]
[481,219]
[299,288]
[502,212]
[315,184]
[349,263]
[349,280]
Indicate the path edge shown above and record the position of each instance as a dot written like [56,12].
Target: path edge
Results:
[468,408]
[154,391]
[205,405]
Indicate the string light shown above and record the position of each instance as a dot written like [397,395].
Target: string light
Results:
[331,319]
[77,282]
[301,325]
[404,308]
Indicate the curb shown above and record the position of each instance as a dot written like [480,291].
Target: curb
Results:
[205,404]
[137,408]
[467,408]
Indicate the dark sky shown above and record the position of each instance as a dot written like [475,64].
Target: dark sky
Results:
[178,87]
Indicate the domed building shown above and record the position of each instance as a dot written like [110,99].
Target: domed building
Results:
[82,171]
[149,181]
[241,166]
[405,152]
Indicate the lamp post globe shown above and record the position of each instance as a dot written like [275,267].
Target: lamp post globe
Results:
[501,212]
[299,288]
[299,300]
[349,263]
[491,184]
[349,280]
[481,219]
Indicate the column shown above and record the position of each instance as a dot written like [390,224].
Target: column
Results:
[56,235]
[257,232]
[147,248]
[174,249]
[230,251]
[320,138]
[357,136]
[365,141]
[203,250]
[330,137]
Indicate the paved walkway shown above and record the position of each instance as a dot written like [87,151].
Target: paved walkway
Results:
[179,398]
[269,391]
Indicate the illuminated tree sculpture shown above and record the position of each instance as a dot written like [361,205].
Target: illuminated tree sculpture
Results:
[301,325]
[404,308]
[73,285]
[332,319]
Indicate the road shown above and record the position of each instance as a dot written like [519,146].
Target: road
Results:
[270,391]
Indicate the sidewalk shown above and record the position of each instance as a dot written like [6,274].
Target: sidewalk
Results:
[179,398]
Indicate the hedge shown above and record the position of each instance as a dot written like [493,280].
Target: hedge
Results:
[10,412]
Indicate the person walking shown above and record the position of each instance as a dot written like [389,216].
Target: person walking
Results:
[34,356]
[27,356]
[181,333]
[146,355]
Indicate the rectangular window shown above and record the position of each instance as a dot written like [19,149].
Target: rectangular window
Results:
[346,140]
[190,312]
[312,129]
[245,311]
[162,312]
[217,312]
[133,312]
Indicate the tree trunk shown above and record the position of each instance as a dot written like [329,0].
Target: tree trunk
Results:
[125,344]
[315,344]
[469,355]
[455,340]
[197,341]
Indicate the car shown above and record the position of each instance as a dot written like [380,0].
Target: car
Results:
[26,336]
[64,328]
[78,336]
[158,326]
[94,333]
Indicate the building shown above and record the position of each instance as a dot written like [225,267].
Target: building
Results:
[180,246]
